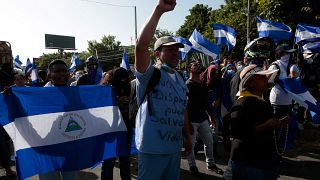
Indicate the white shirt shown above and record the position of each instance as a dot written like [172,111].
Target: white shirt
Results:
[277,95]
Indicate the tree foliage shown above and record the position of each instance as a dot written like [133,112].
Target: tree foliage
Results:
[199,18]
[45,59]
[234,13]
[108,43]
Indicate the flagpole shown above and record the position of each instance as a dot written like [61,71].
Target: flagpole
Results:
[248,22]
[135,22]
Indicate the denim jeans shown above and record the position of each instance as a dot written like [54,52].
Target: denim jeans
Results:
[159,166]
[108,165]
[205,133]
[244,172]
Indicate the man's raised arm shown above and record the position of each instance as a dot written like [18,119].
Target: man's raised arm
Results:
[142,59]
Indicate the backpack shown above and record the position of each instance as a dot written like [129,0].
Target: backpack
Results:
[133,105]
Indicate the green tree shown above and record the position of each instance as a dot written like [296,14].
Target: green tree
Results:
[108,50]
[234,14]
[45,59]
[198,18]
[289,12]
[108,43]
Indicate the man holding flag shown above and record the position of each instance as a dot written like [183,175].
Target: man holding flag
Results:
[59,128]
[58,75]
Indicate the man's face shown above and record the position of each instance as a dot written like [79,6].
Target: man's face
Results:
[19,81]
[59,75]
[196,68]
[260,82]
[169,55]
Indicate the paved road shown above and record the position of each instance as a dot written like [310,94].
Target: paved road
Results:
[304,163]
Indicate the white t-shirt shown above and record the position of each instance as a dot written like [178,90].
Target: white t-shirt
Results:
[277,95]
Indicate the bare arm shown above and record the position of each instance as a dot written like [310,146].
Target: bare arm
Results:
[147,32]
[272,123]
[186,133]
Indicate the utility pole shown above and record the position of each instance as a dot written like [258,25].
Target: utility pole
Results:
[248,22]
[135,22]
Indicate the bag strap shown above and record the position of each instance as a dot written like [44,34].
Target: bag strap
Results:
[278,67]
[154,80]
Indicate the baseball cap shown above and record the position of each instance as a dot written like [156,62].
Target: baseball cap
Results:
[166,41]
[307,54]
[284,48]
[251,70]
[91,59]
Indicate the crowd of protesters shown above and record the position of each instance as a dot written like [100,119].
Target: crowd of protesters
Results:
[240,98]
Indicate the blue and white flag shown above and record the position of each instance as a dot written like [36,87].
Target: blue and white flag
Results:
[187,46]
[298,92]
[34,74]
[274,30]
[203,45]
[306,32]
[75,62]
[28,67]
[60,128]
[17,62]
[224,35]
[312,45]
[125,61]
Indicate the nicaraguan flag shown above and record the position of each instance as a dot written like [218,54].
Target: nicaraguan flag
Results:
[34,74]
[60,128]
[28,67]
[306,32]
[75,62]
[312,45]
[298,92]
[274,30]
[187,46]
[125,61]
[17,62]
[225,35]
[203,45]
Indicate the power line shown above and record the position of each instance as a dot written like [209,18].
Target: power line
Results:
[116,5]
[109,4]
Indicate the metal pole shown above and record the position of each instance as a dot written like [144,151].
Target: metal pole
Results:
[248,22]
[135,22]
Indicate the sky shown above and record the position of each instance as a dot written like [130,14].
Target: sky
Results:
[24,23]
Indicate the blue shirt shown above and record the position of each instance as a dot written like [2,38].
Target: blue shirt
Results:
[161,132]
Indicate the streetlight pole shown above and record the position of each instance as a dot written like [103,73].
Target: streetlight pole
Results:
[135,22]
[248,22]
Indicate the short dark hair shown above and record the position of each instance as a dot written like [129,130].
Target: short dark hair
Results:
[15,76]
[54,62]
[190,64]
